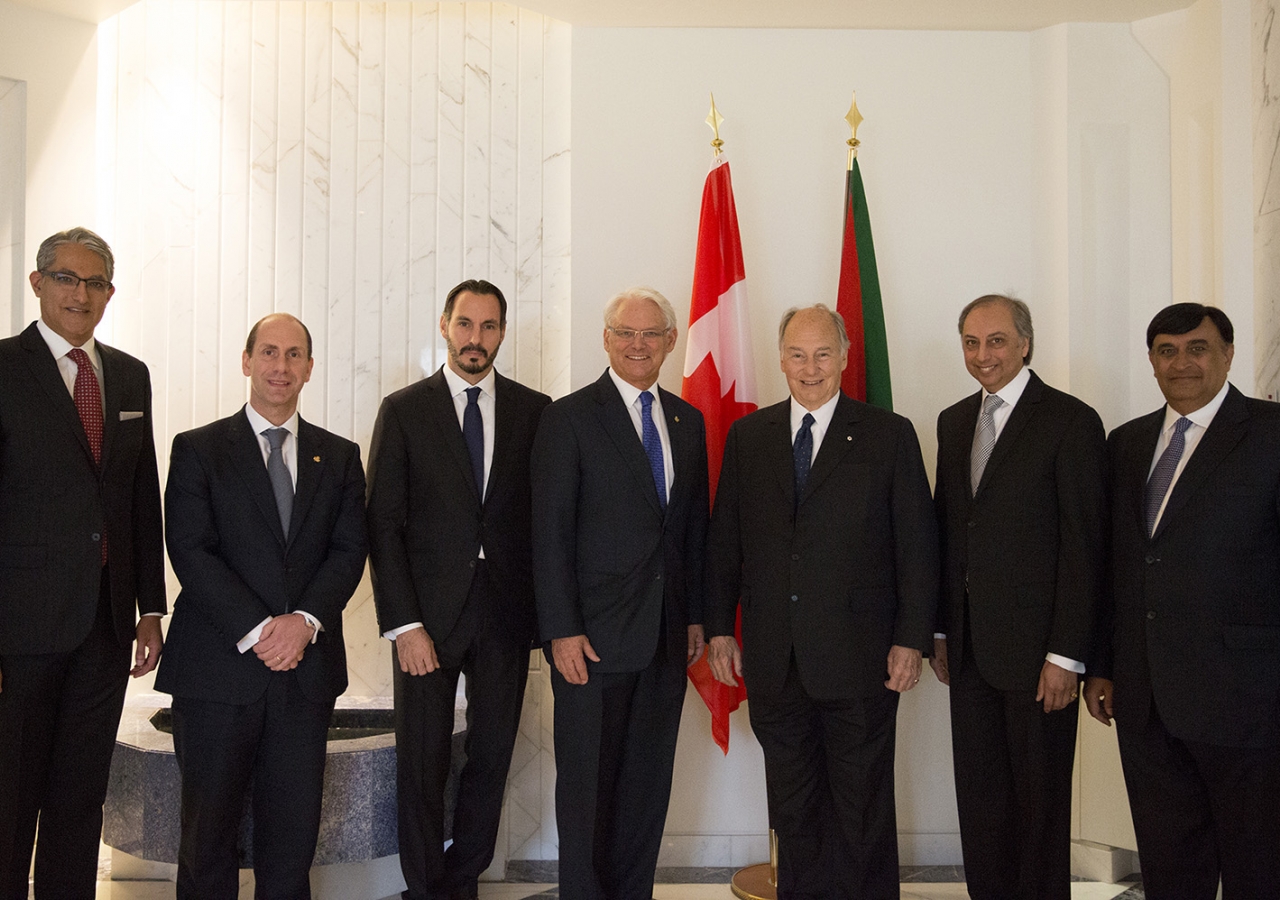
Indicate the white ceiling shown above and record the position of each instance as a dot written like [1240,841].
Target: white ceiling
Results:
[950,15]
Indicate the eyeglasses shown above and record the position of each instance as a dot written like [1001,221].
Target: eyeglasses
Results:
[628,334]
[71,282]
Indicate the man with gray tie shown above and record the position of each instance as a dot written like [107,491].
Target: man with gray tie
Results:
[1188,648]
[1021,505]
[266,530]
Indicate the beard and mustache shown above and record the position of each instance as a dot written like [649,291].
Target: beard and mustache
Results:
[466,365]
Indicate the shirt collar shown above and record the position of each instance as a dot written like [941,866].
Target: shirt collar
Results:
[630,393]
[1011,393]
[259,423]
[1202,416]
[458,384]
[822,416]
[60,346]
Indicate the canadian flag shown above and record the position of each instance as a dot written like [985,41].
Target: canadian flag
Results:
[719,374]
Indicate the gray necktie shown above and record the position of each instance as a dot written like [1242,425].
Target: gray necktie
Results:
[278,472]
[983,441]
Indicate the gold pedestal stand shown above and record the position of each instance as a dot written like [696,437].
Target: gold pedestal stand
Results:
[759,882]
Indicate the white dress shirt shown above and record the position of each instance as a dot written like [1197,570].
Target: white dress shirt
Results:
[1011,393]
[1201,419]
[289,450]
[631,397]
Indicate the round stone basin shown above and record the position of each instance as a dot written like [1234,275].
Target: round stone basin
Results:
[358,814]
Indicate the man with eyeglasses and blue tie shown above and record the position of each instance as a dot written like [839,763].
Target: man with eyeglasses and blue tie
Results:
[264,517]
[824,530]
[81,556]
[620,512]
[1188,649]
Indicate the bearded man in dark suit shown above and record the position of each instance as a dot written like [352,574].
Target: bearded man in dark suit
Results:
[1188,657]
[452,560]
[81,555]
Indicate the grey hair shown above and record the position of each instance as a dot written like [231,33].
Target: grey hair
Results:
[48,251]
[1020,312]
[836,319]
[639,293]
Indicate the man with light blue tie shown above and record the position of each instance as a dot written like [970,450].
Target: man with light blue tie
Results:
[1188,650]
[620,514]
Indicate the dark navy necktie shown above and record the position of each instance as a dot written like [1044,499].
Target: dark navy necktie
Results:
[802,452]
[473,431]
[1162,474]
[653,447]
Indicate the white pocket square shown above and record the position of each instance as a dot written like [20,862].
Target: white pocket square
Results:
[125,415]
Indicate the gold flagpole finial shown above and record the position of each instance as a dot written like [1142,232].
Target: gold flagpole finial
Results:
[714,119]
[854,118]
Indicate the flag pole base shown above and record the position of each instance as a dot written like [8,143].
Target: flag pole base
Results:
[754,883]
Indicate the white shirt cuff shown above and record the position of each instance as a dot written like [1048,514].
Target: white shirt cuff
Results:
[396,632]
[246,642]
[1069,664]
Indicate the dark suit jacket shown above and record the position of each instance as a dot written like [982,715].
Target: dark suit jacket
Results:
[1193,618]
[607,559]
[842,577]
[55,502]
[237,567]
[1030,545]
[426,520]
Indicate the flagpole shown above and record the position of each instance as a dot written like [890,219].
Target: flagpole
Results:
[854,118]
[714,119]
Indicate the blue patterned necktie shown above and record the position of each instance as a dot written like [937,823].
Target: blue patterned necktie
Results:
[278,472]
[473,432]
[802,453]
[984,441]
[1162,474]
[653,447]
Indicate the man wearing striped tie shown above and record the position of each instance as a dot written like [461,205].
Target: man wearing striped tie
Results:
[1020,497]
[1188,651]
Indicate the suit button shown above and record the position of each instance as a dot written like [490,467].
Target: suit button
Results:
[95,536]
[1152,560]
[657,577]
[795,556]
[1151,614]
[472,563]
[795,597]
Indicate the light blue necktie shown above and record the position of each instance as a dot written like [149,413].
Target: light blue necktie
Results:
[278,472]
[653,447]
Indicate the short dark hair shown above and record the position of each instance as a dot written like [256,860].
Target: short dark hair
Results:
[253,332]
[82,236]
[477,286]
[1021,318]
[1183,317]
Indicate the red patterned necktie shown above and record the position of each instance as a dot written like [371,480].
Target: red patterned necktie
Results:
[88,398]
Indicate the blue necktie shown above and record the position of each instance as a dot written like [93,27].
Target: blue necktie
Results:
[1162,474]
[653,447]
[802,452]
[473,431]
[278,472]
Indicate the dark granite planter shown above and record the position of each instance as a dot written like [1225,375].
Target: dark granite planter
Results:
[358,819]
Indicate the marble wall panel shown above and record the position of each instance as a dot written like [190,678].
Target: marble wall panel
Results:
[1266,187]
[13,181]
[348,163]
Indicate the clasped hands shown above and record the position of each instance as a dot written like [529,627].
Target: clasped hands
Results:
[282,642]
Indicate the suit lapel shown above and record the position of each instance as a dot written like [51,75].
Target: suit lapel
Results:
[1224,432]
[311,463]
[1018,419]
[616,421]
[835,444]
[503,430]
[1133,467]
[111,391]
[445,416]
[782,459]
[246,453]
[44,369]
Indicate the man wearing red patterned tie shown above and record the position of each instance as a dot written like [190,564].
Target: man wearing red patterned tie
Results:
[81,555]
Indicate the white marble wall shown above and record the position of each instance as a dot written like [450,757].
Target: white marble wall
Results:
[1266,190]
[13,181]
[347,163]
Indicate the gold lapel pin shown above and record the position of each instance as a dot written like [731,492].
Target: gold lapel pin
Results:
[315,459]
[848,437]
[677,418]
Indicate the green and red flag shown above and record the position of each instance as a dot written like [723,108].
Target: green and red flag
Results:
[858,301]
